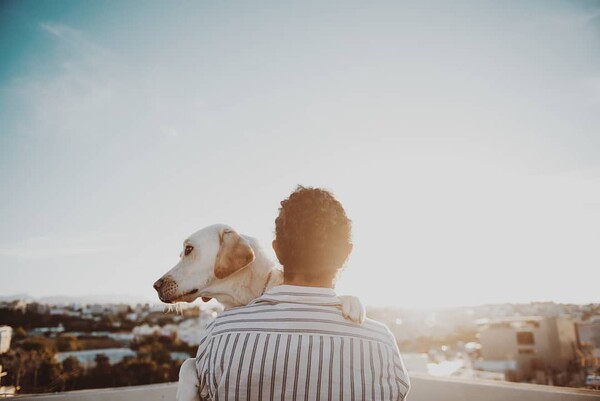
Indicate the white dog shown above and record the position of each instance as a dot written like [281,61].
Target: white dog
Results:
[219,263]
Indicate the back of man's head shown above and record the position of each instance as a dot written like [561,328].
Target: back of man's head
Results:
[313,234]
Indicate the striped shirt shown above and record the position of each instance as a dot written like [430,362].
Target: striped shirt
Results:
[293,343]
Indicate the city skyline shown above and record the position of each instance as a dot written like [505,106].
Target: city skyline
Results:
[461,139]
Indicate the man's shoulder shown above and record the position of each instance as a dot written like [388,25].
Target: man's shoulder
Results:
[298,318]
[379,327]
[376,325]
[249,309]
[248,313]
[267,310]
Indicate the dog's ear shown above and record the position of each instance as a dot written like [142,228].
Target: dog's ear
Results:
[234,254]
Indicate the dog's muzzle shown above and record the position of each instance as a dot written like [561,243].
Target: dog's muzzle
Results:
[168,291]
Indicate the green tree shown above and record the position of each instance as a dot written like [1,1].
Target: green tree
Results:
[101,375]
[19,334]
[66,343]
[155,348]
[138,371]
[49,376]
[36,367]
[71,373]
[35,371]
[40,344]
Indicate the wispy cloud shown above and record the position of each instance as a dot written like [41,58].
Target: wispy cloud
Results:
[96,92]
[44,248]
[77,40]
[86,85]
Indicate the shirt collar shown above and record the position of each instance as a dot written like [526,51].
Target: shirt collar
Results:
[300,295]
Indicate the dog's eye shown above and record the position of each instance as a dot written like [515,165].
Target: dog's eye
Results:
[188,250]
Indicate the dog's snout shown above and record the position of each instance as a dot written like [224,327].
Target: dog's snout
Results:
[158,284]
[167,289]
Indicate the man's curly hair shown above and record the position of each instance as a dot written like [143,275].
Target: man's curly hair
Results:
[313,231]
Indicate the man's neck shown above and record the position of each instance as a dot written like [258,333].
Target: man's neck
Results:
[306,281]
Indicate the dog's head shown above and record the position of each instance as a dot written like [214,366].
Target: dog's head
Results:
[211,254]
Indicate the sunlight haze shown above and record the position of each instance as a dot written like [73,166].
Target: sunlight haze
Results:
[462,139]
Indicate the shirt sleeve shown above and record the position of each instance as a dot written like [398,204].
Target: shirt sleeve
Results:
[202,359]
[398,369]
[400,375]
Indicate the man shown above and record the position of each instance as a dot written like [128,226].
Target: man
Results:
[293,343]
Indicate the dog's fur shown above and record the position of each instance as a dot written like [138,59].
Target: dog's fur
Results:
[231,268]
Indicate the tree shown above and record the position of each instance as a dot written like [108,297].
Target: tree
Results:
[49,376]
[37,369]
[34,370]
[19,334]
[71,373]
[40,344]
[67,343]
[101,374]
[140,371]
[155,348]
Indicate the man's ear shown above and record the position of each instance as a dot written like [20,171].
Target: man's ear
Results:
[234,254]
[278,252]
[276,249]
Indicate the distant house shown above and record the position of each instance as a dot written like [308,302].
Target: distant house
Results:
[46,331]
[145,330]
[588,333]
[189,331]
[539,346]
[5,337]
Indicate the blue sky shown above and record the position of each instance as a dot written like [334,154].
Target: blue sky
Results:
[462,139]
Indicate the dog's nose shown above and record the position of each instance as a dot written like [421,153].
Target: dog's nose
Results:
[158,284]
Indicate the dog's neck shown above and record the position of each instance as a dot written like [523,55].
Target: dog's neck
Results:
[248,284]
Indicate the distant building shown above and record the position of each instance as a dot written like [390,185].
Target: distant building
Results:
[19,305]
[46,331]
[190,330]
[589,334]
[5,337]
[58,310]
[540,346]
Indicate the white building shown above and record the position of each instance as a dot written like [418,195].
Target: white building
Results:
[539,345]
[5,337]
[189,331]
[589,334]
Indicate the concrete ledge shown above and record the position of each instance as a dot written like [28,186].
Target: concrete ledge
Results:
[152,392]
[423,388]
